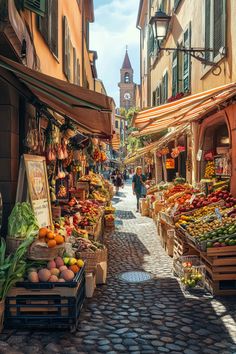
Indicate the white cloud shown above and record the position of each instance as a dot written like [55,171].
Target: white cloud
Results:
[114,28]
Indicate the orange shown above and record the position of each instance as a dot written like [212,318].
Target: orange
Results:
[43,232]
[59,239]
[50,235]
[74,268]
[52,243]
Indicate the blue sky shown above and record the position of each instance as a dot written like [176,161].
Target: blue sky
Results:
[113,29]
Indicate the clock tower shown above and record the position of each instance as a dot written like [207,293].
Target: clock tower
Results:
[126,84]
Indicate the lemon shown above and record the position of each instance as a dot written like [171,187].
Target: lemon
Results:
[72,261]
[80,263]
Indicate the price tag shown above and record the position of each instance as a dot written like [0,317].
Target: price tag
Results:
[192,198]
[218,214]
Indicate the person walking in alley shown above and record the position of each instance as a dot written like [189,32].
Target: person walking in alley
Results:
[138,185]
[118,181]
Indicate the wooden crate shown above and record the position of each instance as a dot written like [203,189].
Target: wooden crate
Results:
[58,307]
[220,265]
[182,247]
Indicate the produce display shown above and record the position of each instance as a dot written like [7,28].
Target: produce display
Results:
[192,276]
[52,239]
[209,170]
[58,270]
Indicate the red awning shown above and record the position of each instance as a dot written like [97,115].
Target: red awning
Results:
[91,110]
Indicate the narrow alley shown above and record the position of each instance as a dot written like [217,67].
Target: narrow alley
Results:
[154,316]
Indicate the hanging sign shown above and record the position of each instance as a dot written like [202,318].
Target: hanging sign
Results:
[170,164]
[33,186]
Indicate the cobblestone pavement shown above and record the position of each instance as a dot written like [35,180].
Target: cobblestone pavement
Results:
[150,317]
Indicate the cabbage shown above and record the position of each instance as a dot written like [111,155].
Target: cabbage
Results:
[22,222]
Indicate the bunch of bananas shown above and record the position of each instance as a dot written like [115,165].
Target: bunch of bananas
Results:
[210,170]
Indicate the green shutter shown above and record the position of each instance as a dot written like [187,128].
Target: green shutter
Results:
[154,98]
[150,40]
[175,73]
[187,61]
[37,6]
[219,25]
[165,87]
[208,31]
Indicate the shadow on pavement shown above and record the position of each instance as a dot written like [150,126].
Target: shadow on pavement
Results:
[122,214]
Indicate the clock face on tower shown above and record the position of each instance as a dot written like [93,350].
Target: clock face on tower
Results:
[127,96]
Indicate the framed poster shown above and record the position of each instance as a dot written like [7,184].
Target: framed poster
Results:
[222,165]
[36,186]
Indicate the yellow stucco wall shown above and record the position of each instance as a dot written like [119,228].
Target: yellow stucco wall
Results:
[201,78]
[48,63]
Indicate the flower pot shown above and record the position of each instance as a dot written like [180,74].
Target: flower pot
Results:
[2,308]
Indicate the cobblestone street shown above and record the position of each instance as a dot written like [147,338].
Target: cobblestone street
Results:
[150,317]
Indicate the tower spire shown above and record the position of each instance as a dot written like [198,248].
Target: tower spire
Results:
[126,62]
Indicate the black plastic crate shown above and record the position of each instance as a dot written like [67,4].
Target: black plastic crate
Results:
[44,308]
[50,285]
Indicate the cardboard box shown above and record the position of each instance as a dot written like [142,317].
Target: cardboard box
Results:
[101,274]
[90,281]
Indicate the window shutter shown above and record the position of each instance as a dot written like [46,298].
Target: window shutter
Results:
[166,86]
[66,59]
[150,40]
[43,23]
[219,26]
[37,6]
[175,74]
[78,72]
[154,98]
[158,96]
[208,31]
[54,27]
[187,61]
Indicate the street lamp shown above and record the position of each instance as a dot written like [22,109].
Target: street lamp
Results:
[160,23]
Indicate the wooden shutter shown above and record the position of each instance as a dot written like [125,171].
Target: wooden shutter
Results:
[165,87]
[158,96]
[150,40]
[154,98]
[208,30]
[74,66]
[175,73]
[187,61]
[78,72]
[181,70]
[43,23]
[219,25]
[37,6]
[66,54]
[54,27]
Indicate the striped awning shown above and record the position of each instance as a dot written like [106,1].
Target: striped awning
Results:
[115,142]
[182,111]
[160,143]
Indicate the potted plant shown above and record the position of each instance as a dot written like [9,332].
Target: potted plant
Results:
[12,268]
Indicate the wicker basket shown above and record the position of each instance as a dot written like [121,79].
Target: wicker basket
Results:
[39,251]
[2,308]
[92,259]
[13,243]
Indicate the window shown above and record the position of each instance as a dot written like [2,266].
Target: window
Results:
[215,27]
[48,25]
[175,73]
[158,96]
[154,98]
[116,124]
[127,78]
[37,6]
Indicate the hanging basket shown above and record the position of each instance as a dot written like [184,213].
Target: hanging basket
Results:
[2,308]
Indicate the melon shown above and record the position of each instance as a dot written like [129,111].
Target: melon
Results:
[63,268]
[55,271]
[33,277]
[51,264]
[67,274]
[44,274]
[59,262]
[53,278]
